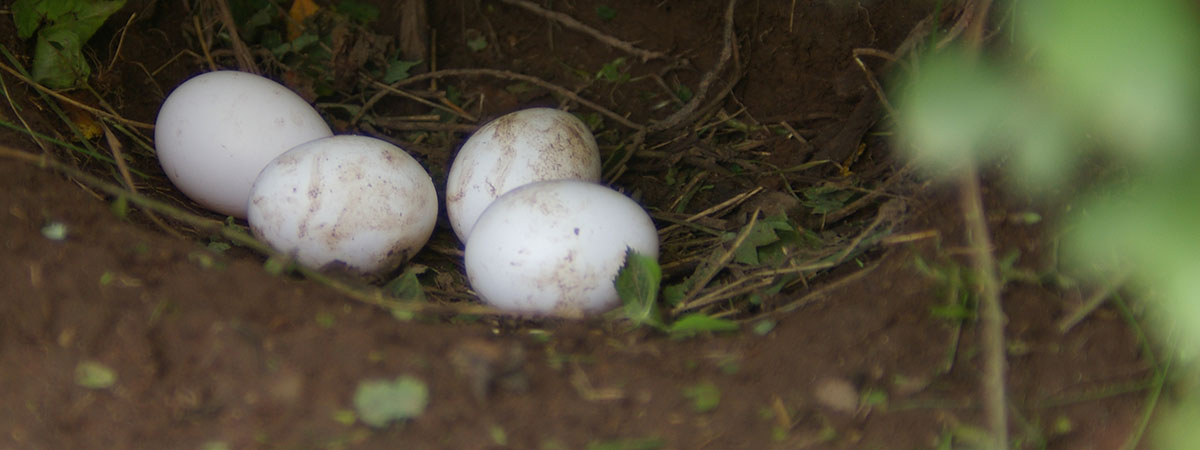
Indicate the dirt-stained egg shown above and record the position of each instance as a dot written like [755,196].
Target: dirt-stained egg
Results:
[519,148]
[556,247]
[216,131]
[351,203]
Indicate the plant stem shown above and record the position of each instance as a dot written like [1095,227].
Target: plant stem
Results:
[991,314]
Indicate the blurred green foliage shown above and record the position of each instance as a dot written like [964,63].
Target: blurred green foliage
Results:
[1085,81]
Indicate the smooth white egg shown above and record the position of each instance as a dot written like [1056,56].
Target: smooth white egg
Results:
[556,246]
[216,131]
[519,148]
[351,203]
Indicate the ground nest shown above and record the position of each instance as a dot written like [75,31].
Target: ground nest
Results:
[737,227]
[801,252]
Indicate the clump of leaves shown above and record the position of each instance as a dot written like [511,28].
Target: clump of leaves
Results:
[767,244]
[62,28]
[826,199]
[322,48]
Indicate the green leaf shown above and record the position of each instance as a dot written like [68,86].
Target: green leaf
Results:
[683,93]
[361,12]
[120,207]
[303,41]
[673,294]
[1128,66]
[943,131]
[826,199]
[611,71]
[55,231]
[593,120]
[705,396]
[276,265]
[326,320]
[407,286]
[763,327]
[695,323]
[94,375]
[454,94]
[85,17]
[218,246]
[398,70]
[606,12]
[58,60]
[27,16]
[380,402]
[345,417]
[763,233]
[478,43]
[499,436]
[256,21]
[637,284]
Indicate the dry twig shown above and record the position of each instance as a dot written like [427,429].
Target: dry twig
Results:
[570,22]
[687,113]
[725,258]
[991,314]
[73,102]
[1097,298]
[365,294]
[114,145]
[503,74]
[245,59]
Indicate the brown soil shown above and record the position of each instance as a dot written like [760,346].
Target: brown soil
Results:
[210,349]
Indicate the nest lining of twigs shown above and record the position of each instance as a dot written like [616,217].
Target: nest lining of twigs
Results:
[703,231]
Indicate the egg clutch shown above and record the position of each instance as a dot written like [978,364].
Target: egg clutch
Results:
[523,194]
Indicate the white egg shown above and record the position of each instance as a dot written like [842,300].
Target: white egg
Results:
[352,203]
[519,148]
[216,131]
[556,246]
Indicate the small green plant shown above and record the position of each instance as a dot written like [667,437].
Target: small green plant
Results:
[381,402]
[476,41]
[705,396]
[638,284]
[613,72]
[62,28]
